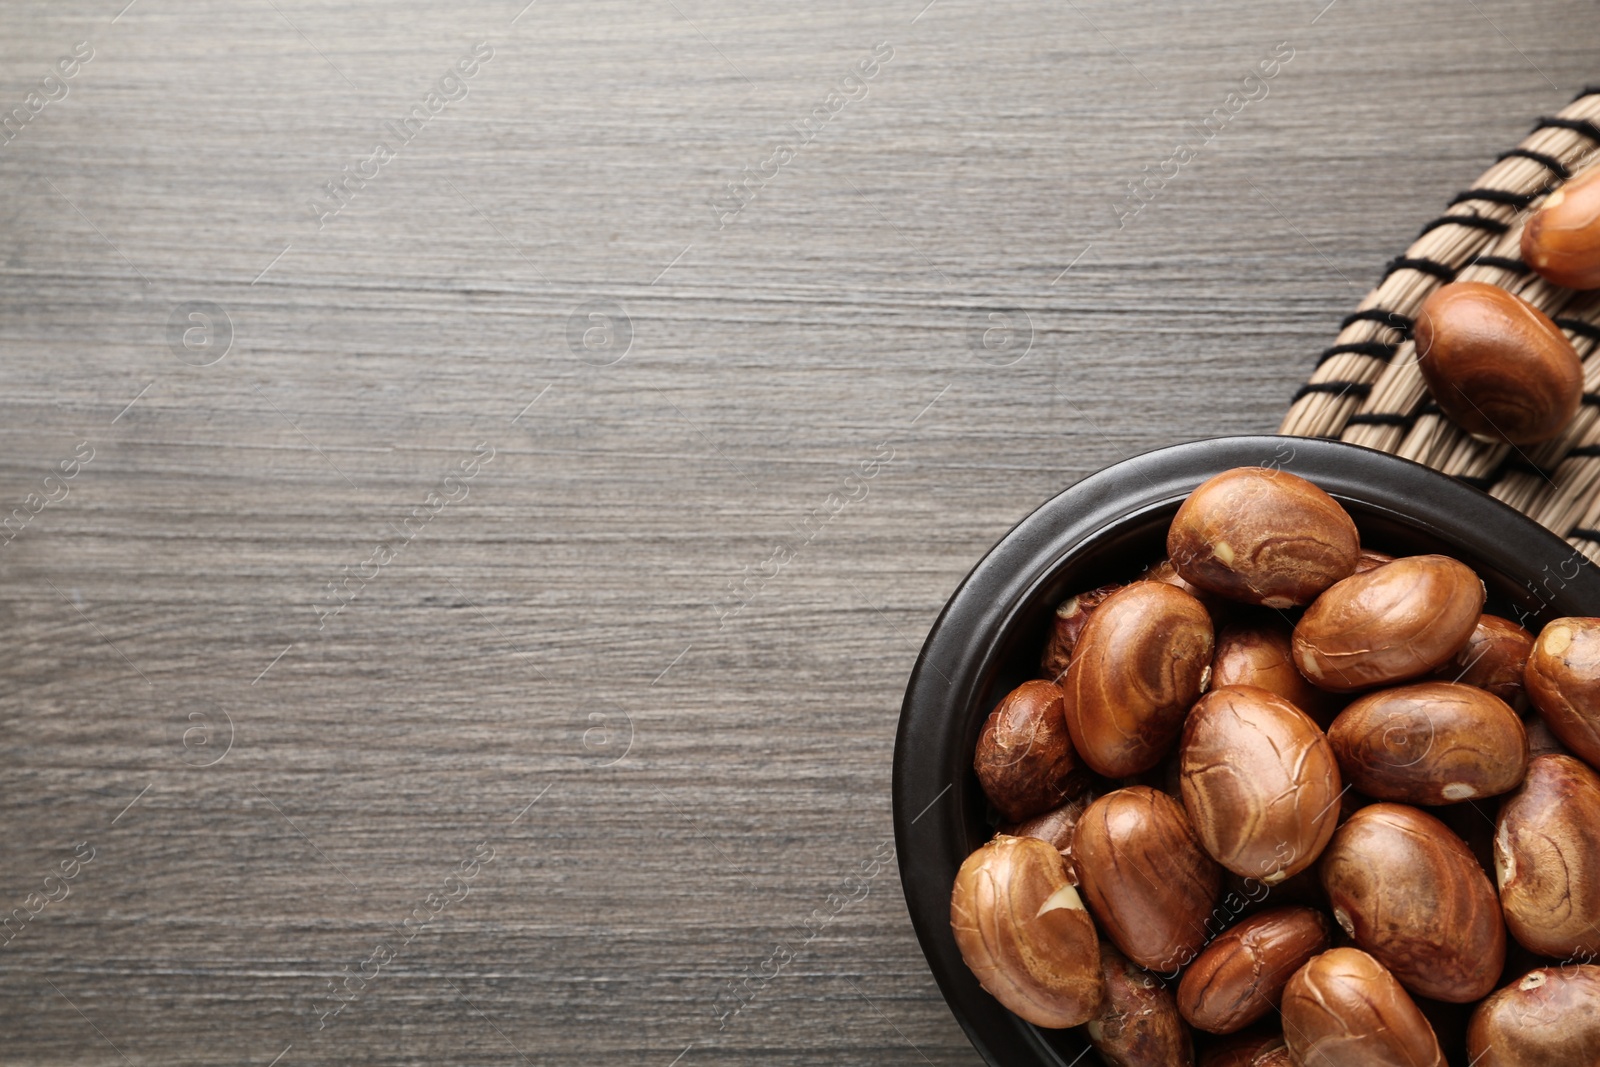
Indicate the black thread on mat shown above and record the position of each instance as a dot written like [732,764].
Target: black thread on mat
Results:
[1517,462]
[1579,327]
[1392,319]
[1550,163]
[1583,126]
[1496,196]
[1429,408]
[1442,271]
[1380,418]
[1588,90]
[1584,533]
[1471,222]
[1339,388]
[1486,482]
[1592,399]
[1583,451]
[1506,263]
[1374,349]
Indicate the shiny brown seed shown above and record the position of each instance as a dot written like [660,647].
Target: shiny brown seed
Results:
[1274,1057]
[1138,1025]
[1493,658]
[1244,1050]
[1344,1009]
[1066,626]
[1563,681]
[1260,782]
[1024,759]
[1054,826]
[1262,536]
[1145,877]
[1562,239]
[1023,931]
[1430,743]
[1240,976]
[1497,365]
[1549,1017]
[1141,663]
[1370,559]
[1399,621]
[1409,891]
[1164,572]
[1542,741]
[1547,859]
[1258,652]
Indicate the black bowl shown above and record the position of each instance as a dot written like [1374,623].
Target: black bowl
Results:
[1106,528]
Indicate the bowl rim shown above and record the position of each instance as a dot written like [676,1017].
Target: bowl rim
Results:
[961,654]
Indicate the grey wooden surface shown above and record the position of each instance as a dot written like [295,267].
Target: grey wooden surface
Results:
[671,612]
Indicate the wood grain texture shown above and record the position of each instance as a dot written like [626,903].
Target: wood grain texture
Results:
[585,580]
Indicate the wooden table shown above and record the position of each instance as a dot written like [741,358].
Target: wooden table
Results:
[485,587]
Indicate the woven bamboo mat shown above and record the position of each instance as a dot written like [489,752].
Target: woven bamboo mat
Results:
[1367,390]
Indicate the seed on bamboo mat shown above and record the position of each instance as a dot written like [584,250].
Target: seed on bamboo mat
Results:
[1498,367]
